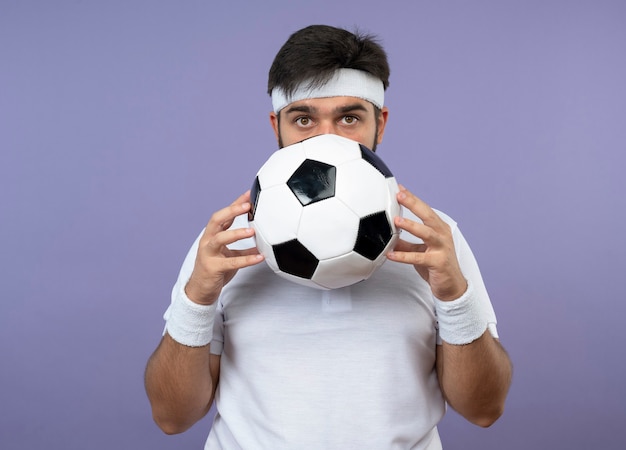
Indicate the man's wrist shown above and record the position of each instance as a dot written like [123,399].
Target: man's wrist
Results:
[455,291]
[463,320]
[193,292]
[190,323]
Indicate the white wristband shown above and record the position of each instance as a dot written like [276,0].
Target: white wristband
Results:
[463,320]
[190,323]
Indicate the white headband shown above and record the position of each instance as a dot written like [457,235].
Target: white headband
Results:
[344,83]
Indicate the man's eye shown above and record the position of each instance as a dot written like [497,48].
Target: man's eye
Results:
[349,120]
[303,121]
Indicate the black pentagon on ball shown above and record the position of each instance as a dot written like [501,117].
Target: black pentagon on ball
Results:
[255,190]
[313,181]
[373,236]
[294,258]
[375,161]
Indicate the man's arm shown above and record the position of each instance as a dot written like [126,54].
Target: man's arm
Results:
[475,378]
[474,375]
[181,375]
[180,382]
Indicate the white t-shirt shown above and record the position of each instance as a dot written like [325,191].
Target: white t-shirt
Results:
[350,368]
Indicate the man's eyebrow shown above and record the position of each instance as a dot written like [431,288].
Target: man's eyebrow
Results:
[339,110]
[351,107]
[300,108]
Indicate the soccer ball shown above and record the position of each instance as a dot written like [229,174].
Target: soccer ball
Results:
[323,210]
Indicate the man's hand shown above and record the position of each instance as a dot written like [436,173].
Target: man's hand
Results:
[435,260]
[475,377]
[215,263]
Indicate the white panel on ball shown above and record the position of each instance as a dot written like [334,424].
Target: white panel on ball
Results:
[279,218]
[394,206]
[331,149]
[328,228]
[343,270]
[266,250]
[368,197]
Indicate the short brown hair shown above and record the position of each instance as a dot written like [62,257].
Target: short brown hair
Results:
[314,53]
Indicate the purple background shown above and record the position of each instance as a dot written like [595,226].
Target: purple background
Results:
[124,125]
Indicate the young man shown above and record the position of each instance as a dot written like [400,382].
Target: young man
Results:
[367,366]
